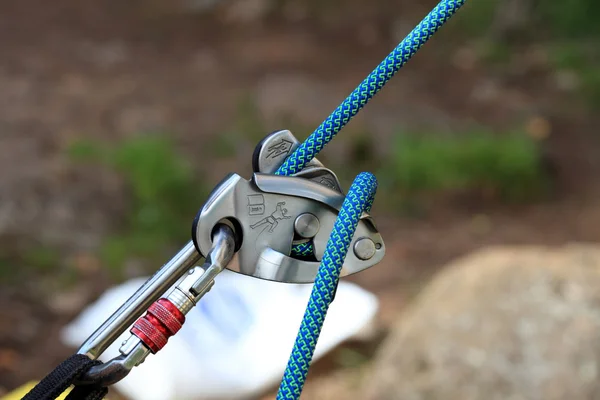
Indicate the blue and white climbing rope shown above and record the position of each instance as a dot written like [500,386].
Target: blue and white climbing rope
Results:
[360,195]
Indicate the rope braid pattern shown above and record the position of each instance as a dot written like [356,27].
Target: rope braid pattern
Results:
[370,86]
[302,250]
[359,198]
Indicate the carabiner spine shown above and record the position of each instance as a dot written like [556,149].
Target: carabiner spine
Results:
[186,259]
[165,316]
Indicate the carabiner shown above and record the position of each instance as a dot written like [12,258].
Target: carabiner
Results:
[165,316]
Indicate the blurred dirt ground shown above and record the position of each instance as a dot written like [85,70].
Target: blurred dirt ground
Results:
[111,69]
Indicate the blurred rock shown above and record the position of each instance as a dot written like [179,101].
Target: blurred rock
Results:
[503,323]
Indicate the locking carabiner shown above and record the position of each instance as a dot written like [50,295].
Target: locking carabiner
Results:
[165,316]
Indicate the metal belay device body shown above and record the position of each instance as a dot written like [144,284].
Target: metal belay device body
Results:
[275,212]
[270,227]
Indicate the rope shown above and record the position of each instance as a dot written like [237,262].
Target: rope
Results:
[369,87]
[360,196]
[359,199]
[303,250]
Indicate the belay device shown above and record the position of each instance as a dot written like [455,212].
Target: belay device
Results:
[290,222]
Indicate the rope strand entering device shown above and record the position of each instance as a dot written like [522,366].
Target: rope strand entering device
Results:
[370,86]
[290,223]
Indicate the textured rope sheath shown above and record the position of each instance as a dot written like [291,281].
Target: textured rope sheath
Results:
[359,198]
[302,250]
[369,87]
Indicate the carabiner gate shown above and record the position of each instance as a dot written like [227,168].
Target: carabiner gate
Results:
[165,316]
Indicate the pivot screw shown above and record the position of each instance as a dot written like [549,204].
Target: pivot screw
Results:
[364,249]
[306,225]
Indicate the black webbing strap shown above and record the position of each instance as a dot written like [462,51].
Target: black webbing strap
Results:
[59,380]
[87,393]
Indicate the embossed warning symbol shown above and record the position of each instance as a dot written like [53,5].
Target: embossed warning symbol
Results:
[278,149]
[256,204]
[271,221]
